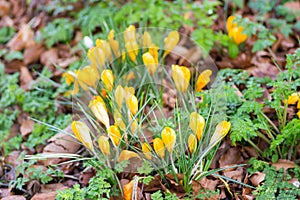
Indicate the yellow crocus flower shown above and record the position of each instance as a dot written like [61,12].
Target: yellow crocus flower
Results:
[221,131]
[230,24]
[147,150]
[171,41]
[126,155]
[132,104]
[203,80]
[132,49]
[168,137]
[82,133]
[147,41]
[69,78]
[128,189]
[159,148]
[181,76]
[237,35]
[150,63]
[293,98]
[153,50]
[104,45]
[114,44]
[133,124]
[104,145]
[108,79]
[119,95]
[97,57]
[114,134]
[97,105]
[192,143]
[129,33]
[197,124]
[119,120]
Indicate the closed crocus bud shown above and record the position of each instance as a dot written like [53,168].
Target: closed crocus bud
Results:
[132,104]
[87,76]
[237,35]
[159,148]
[147,150]
[104,45]
[293,98]
[97,57]
[119,96]
[132,49]
[126,155]
[104,145]
[181,76]
[192,143]
[119,120]
[230,24]
[203,80]
[221,131]
[127,190]
[197,124]
[149,62]
[114,134]
[114,44]
[129,33]
[147,42]
[171,41]
[98,108]
[82,133]
[169,138]
[108,79]
[133,124]
[88,42]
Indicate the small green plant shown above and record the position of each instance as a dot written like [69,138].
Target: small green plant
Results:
[6,33]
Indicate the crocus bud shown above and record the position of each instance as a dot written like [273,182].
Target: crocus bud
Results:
[159,148]
[98,108]
[127,190]
[181,76]
[119,96]
[171,41]
[82,133]
[114,134]
[169,138]
[147,150]
[87,76]
[114,44]
[88,42]
[221,131]
[104,45]
[97,57]
[119,120]
[126,155]
[150,63]
[203,80]
[147,42]
[108,79]
[197,124]
[132,103]
[192,143]
[293,98]
[104,145]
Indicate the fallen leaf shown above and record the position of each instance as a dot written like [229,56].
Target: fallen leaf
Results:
[26,127]
[257,178]
[236,174]
[48,58]
[4,8]
[231,157]
[25,78]
[14,197]
[86,175]
[14,66]
[32,54]
[23,39]
[285,164]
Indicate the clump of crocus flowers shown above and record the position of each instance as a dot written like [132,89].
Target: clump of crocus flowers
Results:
[235,32]
[116,111]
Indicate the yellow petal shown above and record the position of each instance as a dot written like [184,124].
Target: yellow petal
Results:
[132,49]
[150,63]
[119,95]
[114,134]
[127,189]
[129,33]
[108,79]
[192,143]
[197,124]
[171,41]
[203,80]
[147,42]
[82,133]
[230,24]
[98,108]
[97,57]
[87,76]
[126,155]
[293,98]
[169,138]
[159,148]
[133,124]
[221,131]
[147,150]
[69,78]
[181,76]
[132,103]
[104,145]
[237,35]
[119,120]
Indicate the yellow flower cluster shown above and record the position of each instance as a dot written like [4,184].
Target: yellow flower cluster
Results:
[293,99]
[235,31]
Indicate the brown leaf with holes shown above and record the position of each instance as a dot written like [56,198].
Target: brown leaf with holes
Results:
[26,127]
[25,78]
[23,39]
[285,164]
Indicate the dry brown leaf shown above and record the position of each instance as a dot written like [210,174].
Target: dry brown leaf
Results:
[23,39]
[65,62]
[14,197]
[14,66]
[257,178]
[25,78]
[32,54]
[236,174]
[86,175]
[48,58]
[4,8]
[26,127]
[285,164]
[231,157]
